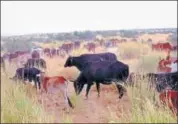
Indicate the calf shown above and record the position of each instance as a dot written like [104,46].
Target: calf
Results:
[81,60]
[104,72]
[27,74]
[170,97]
[54,85]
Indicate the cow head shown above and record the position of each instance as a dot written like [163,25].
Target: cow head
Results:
[69,62]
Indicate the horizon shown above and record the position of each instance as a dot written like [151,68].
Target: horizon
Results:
[18,17]
[88,30]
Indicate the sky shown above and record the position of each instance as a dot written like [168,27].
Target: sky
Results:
[28,17]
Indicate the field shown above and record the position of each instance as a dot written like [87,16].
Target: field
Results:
[22,104]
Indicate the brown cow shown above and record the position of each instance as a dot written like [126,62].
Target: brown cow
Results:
[55,85]
[35,55]
[67,47]
[161,46]
[90,47]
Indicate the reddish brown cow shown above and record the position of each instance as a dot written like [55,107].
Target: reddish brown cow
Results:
[54,85]
[170,97]
[161,46]
[90,47]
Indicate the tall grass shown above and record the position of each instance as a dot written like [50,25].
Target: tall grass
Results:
[146,106]
[17,107]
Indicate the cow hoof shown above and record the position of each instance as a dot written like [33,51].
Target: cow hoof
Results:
[120,96]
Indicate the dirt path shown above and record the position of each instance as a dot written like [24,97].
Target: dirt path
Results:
[93,110]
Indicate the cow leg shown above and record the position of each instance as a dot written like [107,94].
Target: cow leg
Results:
[63,89]
[120,90]
[98,88]
[79,88]
[87,90]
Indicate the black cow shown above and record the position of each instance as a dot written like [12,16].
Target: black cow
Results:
[104,72]
[164,80]
[161,81]
[29,74]
[80,61]
[36,62]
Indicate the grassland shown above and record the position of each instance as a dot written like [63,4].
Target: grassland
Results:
[19,103]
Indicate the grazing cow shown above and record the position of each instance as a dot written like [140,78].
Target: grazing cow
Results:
[55,85]
[77,45]
[27,74]
[35,55]
[36,62]
[90,47]
[54,52]
[47,52]
[80,61]
[104,72]
[67,47]
[161,46]
[170,97]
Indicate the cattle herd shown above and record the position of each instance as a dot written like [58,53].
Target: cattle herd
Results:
[101,68]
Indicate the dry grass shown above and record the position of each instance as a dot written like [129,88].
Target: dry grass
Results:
[16,107]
